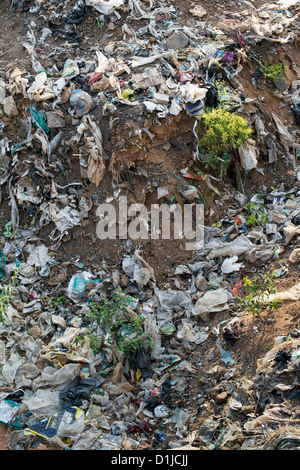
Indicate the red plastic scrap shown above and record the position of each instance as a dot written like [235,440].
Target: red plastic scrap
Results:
[237,287]
[95,77]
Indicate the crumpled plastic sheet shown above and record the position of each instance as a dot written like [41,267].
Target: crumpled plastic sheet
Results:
[212,301]
[138,269]
[291,294]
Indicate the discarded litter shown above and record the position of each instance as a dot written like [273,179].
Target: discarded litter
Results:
[120,343]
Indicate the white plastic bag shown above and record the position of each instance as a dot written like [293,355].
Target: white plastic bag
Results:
[211,302]
[230,265]
[237,247]
[248,155]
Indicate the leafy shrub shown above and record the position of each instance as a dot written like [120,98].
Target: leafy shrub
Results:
[225,132]
[273,73]
[256,214]
[122,328]
[257,293]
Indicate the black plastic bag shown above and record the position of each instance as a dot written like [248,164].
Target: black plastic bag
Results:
[76,392]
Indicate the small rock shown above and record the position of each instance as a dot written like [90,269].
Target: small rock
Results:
[20,306]
[124,280]
[85,223]
[9,106]
[68,120]
[54,120]
[221,398]
[35,331]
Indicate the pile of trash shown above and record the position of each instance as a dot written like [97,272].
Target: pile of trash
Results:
[101,357]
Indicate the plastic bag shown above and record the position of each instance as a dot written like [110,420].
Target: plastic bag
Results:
[11,367]
[198,11]
[70,70]
[189,193]
[162,192]
[76,392]
[93,145]
[95,416]
[81,101]
[147,79]
[65,218]
[8,410]
[191,93]
[39,91]
[39,256]
[187,333]
[212,301]
[77,285]
[175,107]
[65,423]
[128,94]
[17,83]
[151,328]
[272,415]
[42,402]
[179,417]
[230,265]
[38,120]
[139,360]
[291,294]
[64,348]
[56,378]
[282,130]
[138,269]
[260,254]
[290,231]
[237,247]
[170,299]
[2,91]
[248,155]
[295,256]
[105,7]
[226,357]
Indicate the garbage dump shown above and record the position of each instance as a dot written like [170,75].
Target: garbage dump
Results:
[120,328]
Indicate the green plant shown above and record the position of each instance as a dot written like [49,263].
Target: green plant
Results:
[256,214]
[7,295]
[257,294]
[224,96]
[225,132]
[273,73]
[122,328]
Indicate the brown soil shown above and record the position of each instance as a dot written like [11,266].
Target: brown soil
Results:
[162,158]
